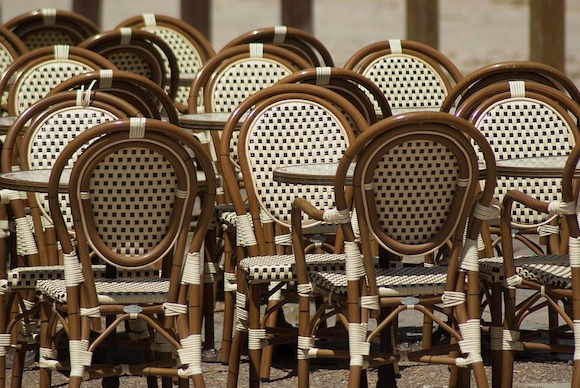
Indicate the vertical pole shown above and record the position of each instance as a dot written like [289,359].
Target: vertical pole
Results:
[89,9]
[198,14]
[547,32]
[297,14]
[423,21]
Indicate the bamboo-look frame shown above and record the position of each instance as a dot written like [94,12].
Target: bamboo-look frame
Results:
[412,125]
[178,143]
[150,48]
[296,40]
[146,95]
[261,100]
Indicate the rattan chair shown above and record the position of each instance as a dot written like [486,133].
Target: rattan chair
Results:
[412,75]
[298,41]
[507,71]
[351,85]
[140,52]
[291,124]
[414,186]
[49,27]
[148,97]
[190,46]
[518,118]
[221,84]
[158,192]
[34,142]
[34,74]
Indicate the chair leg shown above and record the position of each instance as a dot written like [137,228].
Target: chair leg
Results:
[229,298]
[254,336]
[235,356]
[495,308]
[268,351]
[45,343]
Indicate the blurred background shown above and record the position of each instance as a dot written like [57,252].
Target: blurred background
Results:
[473,33]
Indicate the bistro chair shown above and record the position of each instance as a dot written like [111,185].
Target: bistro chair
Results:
[298,41]
[412,75]
[140,52]
[521,119]
[148,97]
[226,80]
[49,27]
[11,47]
[29,78]
[415,187]
[34,143]
[189,45]
[285,124]
[129,219]
[507,71]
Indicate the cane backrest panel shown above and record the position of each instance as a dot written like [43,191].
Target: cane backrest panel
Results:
[49,26]
[508,71]
[140,52]
[149,98]
[192,49]
[412,75]
[33,75]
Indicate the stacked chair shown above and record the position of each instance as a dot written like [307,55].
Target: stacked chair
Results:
[300,42]
[190,46]
[140,52]
[50,26]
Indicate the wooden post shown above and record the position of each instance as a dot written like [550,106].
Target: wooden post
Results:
[89,9]
[297,14]
[423,21]
[198,14]
[547,32]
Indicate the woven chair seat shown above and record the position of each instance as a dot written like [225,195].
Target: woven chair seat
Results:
[282,267]
[549,270]
[391,281]
[141,290]
[27,277]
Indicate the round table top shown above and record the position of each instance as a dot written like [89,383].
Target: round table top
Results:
[533,167]
[6,123]
[37,180]
[212,121]
[311,174]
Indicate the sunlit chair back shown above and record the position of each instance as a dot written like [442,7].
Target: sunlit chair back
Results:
[412,75]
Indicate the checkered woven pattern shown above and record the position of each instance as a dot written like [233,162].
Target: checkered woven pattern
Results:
[408,82]
[404,281]
[47,37]
[415,214]
[111,291]
[131,63]
[118,222]
[292,132]
[548,270]
[53,134]
[282,267]
[187,54]
[39,80]
[522,127]
[242,79]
